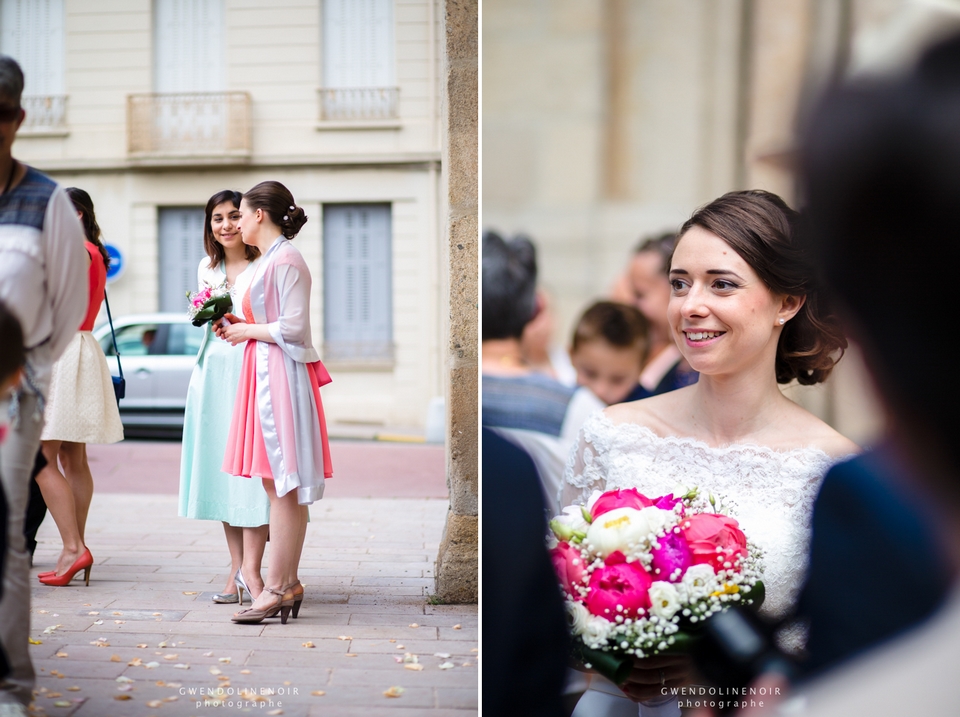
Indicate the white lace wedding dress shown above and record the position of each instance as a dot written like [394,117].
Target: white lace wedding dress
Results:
[770,493]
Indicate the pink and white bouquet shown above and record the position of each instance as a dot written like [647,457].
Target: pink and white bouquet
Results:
[639,574]
[211,303]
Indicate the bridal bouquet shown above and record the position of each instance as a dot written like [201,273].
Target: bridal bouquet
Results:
[211,303]
[639,574]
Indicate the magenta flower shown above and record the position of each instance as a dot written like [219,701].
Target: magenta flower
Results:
[568,565]
[626,498]
[672,554]
[666,502]
[622,584]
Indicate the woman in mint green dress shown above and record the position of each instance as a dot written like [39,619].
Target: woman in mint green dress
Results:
[206,493]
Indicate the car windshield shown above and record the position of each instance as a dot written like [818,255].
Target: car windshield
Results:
[155,339]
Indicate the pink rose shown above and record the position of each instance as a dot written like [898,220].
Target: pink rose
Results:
[706,532]
[626,498]
[569,567]
[619,583]
[673,554]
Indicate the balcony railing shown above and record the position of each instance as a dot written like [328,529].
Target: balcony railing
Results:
[44,112]
[347,104]
[189,124]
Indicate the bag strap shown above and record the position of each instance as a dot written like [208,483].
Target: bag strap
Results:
[112,332]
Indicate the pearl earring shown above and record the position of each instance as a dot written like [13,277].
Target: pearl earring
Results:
[783,321]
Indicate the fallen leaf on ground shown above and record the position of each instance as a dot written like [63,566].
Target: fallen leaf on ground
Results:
[154,703]
[189,592]
[394,692]
[413,666]
[123,678]
[170,657]
[344,637]
[401,647]
[275,712]
[142,645]
[181,666]
[98,622]
[413,624]
[62,654]
[474,649]
[93,612]
[308,644]
[74,688]
[116,658]
[215,671]
[42,612]
[125,688]
[117,612]
[318,693]
[50,630]
[53,695]
[151,665]
[225,660]
[171,698]
[164,643]
[119,622]
[63,703]
[456,627]
[208,654]
[444,655]
[411,658]
[135,662]
[122,697]
[351,654]
[446,666]
[34,642]
[391,641]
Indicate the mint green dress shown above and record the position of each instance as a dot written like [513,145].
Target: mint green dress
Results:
[206,492]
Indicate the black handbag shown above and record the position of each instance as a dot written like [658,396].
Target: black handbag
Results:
[119,382]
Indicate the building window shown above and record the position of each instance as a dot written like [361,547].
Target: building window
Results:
[31,31]
[189,113]
[359,76]
[181,248]
[357,285]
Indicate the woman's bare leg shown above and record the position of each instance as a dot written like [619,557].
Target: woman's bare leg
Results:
[234,538]
[286,517]
[254,542]
[58,496]
[76,469]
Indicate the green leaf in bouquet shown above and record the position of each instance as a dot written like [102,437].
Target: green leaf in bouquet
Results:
[613,665]
[213,310]
[755,596]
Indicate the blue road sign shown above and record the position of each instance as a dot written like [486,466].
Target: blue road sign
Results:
[117,263]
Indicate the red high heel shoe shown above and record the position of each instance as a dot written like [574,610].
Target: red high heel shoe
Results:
[84,563]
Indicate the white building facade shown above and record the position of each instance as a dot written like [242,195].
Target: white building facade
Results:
[152,107]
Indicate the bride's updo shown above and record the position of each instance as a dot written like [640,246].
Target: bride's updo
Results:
[763,230]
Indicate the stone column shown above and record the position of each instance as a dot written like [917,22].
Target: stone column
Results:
[457,561]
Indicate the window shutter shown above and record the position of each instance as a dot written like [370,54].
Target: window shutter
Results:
[188,46]
[31,31]
[358,297]
[358,43]
[181,248]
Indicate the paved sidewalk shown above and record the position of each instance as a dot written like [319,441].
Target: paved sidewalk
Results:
[147,620]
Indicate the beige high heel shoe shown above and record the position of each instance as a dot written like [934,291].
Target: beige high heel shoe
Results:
[251,616]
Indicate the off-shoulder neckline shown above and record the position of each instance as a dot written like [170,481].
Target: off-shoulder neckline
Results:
[720,450]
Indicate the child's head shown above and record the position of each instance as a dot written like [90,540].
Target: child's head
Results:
[609,349]
[13,355]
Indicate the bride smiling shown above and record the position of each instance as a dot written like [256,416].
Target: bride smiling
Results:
[746,315]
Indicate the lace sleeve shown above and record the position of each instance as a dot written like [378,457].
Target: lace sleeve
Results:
[585,471]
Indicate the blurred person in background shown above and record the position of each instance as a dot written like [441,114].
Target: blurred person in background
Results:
[81,409]
[43,281]
[881,176]
[538,345]
[610,345]
[533,410]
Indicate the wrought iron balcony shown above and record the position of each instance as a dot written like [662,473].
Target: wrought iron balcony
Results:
[44,112]
[189,124]
[347,104]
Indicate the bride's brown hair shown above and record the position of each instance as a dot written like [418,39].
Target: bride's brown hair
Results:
[763,230]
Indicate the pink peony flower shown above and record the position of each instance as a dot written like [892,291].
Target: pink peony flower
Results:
[621,583]
[706,532]
[626,498]
[569,567]
[672,554]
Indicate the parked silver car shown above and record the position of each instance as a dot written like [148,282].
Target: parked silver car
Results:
[158,352]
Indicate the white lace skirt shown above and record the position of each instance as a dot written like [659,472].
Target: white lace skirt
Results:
[81,406]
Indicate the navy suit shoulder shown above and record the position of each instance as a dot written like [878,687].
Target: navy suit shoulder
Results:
[524,620]
[872,542]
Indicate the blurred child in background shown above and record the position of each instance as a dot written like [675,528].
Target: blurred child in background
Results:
[610,346]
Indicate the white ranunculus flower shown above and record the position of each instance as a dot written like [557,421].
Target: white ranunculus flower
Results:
[664,599]
[699,581]
[578,617]
[595,630]
[618,528]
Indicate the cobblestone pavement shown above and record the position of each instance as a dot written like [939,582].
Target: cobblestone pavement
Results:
[145,639]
